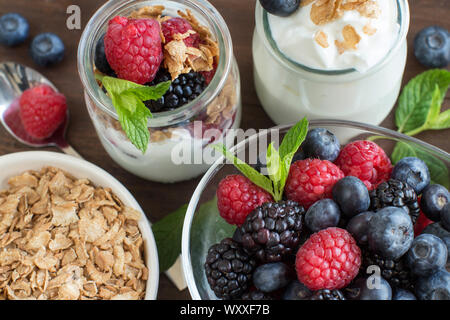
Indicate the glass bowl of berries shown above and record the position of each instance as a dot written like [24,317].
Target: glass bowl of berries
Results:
[321,210]
[161,84]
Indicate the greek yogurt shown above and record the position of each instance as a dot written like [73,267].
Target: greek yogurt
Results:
[349,68]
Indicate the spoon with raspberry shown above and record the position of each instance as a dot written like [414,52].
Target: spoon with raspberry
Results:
[31,108]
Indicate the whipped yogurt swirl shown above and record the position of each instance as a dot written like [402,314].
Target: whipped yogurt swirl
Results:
[316,46]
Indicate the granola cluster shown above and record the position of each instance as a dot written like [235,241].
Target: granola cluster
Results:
[63,238]
[326,11]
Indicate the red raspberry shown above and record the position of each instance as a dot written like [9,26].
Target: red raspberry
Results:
[366,161]
[237,196]
[42,111]
[180,26]
[311,180]
[329,259]
[133,48]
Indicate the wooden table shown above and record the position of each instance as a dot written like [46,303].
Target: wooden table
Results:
[160,199]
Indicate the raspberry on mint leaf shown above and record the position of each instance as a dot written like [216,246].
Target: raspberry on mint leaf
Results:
[311,180]
[179,26]
[365,160]
[237,196]
[42,111]
[133,48]
[329,259]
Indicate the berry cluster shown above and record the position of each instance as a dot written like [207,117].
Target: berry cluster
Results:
[132,49]
[346,211]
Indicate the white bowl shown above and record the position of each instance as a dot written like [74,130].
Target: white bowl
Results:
[16,163]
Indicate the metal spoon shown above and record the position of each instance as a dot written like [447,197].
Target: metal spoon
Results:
[14,80]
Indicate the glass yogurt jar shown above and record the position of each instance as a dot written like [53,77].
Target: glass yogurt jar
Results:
[179,137]
[300,71]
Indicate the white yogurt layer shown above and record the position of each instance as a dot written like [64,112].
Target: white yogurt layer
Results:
[295,37]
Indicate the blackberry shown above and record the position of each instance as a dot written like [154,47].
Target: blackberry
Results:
[228,269]
[272,231]
[184,89]
[256,295]
[398,194]
[326,294]
[396,272]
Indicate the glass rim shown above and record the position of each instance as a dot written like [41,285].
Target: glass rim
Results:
[193,203]
[262,26]
[92,33]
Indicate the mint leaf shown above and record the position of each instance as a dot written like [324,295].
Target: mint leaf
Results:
[276,170]
[442,121]
[415,101]
[438,170]
[150,93]
[127,98]
[135,125]
[252,174]
[167,233]
[208,227]
[292,141]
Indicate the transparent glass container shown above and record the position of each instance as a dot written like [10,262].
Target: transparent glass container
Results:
[172,133]
[203,225]
[289,91]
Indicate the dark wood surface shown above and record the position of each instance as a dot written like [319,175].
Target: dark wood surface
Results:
[160,199]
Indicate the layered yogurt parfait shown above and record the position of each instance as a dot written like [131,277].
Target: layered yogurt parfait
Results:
[340,59]
[161,84]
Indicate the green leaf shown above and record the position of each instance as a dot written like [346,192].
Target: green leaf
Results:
[248,171]
[135,125]
[168,232]
[145,93]
[276,170]
[415,101]
[127,98]
[292,141]
[209,224]
[117,86]
[438,170]
[442,121]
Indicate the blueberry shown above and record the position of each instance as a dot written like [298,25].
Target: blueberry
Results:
[358,226]
[446,240]
[434,198]
[100,58]
[390,232]
[322,214]
[282,8]
[427,254]
[321,143]
[47,49]
[432,47]
[434,287]
[296,291]
[436,229]
[14,29]
[367,289]
[272,276]
[300,155]
[445,216]
[412,171]
[352,196]
[402,294]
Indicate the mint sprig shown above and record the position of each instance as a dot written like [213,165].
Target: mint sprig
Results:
[128,99]
[278,161]
[419,105]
